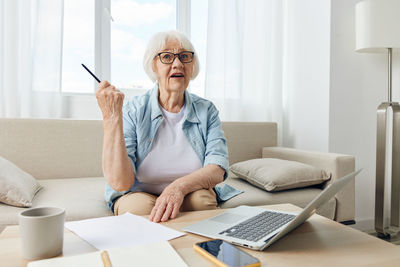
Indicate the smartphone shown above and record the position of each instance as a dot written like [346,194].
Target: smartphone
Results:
[224,254]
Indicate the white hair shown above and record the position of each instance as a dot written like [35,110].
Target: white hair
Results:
[157,43]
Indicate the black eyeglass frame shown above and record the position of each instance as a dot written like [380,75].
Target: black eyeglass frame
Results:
[176,55]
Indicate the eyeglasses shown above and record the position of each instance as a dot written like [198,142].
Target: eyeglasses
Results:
[168,57]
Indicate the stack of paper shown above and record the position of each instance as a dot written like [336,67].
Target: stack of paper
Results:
[130,240]
[142,255]
[121,231]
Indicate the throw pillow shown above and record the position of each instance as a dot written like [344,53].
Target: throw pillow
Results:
[17,188]
[275,174]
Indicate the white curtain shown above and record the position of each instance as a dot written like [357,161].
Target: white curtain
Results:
[30,58]
[244,59]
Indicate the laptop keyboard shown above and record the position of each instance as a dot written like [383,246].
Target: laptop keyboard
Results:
[258,226]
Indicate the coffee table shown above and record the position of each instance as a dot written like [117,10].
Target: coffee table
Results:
[317,242]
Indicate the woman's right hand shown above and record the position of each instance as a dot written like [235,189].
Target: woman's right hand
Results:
[110,101]
[117,167]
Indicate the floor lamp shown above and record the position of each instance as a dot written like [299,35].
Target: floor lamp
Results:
[377,31]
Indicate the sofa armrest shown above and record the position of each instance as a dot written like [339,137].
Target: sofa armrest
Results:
[337,165]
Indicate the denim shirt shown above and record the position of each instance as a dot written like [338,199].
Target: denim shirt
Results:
[141,118]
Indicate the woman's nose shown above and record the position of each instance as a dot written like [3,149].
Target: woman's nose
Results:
[177,61]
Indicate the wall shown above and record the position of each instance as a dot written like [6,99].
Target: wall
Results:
[306,75]
[331,92]
[358,84]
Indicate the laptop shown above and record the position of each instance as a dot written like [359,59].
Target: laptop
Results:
[258,228]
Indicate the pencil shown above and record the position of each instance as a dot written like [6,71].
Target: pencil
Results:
[94,76]
[106,259]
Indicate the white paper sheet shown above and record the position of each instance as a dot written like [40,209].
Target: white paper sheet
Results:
[121,257]
[121,231]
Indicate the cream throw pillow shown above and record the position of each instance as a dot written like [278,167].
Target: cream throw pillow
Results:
[17,188]
[275,174]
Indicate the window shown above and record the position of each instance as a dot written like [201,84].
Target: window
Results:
[78,46]
[121,31]
[135,22]
[198,31]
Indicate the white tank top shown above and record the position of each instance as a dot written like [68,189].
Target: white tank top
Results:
[171,156]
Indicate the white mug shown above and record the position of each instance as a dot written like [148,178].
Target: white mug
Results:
[42,232]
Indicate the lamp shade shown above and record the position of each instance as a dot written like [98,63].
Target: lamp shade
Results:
[377,25]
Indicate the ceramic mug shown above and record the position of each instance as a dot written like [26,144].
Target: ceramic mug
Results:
[42,232]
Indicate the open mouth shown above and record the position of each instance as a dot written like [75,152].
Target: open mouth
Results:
[177,75]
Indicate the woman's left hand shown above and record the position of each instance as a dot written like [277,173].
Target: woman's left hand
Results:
[167,204]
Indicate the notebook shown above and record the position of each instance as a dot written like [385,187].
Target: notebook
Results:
[155,254]
[258,228]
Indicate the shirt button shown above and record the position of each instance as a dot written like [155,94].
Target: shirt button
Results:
[149,140]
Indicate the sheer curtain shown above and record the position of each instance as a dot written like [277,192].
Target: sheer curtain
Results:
[244,59]
[30,58]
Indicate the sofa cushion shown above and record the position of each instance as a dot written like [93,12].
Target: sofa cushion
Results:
[276,174]
[81,198]
[17,188]
[254,196]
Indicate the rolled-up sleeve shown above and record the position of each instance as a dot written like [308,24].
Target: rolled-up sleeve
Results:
[216,148]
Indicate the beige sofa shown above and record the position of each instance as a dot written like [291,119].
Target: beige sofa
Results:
[65,156]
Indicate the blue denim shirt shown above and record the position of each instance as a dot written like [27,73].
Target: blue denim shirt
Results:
[141,118]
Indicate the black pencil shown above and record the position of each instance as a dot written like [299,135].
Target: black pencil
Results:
[94,76]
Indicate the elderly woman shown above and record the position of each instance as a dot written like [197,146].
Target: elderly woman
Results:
[163,151]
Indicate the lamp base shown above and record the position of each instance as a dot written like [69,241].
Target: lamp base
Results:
[391,227]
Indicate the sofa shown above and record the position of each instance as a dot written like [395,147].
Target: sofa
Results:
[64,155]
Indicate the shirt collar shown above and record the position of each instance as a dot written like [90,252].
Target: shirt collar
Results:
[190,112]
[156,111]
[155,108]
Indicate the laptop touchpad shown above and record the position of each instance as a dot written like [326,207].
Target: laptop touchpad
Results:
[228,218]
